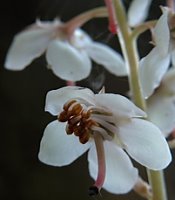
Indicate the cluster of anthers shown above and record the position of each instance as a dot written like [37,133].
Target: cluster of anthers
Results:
[90,121]
[84,120]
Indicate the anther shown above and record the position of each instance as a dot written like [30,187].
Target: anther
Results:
[69,129]
[74,120]
[68,104]
[63,117]
[77,108]
[77,130]
[84,136]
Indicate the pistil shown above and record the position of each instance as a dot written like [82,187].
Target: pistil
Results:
[95,189]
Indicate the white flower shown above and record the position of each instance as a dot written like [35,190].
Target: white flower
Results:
[154,66]
[107,125]
[138,11]
[161,105]
[67,54]
[164,34]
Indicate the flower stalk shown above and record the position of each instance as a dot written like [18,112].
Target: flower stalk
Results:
[157,182]
[94,190]
[70,83]
[112,18]
[129,49]
[141,28]
[76,22]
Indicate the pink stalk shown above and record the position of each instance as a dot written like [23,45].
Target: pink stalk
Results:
[112,18]
[76,22]
[94,190]
[70,83]
[170,4]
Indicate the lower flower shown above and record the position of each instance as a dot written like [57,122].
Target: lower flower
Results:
[107,126]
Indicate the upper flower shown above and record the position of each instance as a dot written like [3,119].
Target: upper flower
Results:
[154,66]
[106,124]
[161,107]
[68,50]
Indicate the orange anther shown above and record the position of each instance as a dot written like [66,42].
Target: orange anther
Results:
[63,117]
[84,137]
[76,109]
[69,129]
[68,104]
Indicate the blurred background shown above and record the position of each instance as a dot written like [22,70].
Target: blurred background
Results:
[22,99]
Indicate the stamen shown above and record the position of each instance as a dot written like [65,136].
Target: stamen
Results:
[107,118]
[63,117]
[99,110]
[83,120]
[102,132]
[112,129]
[74,120]
[94,190]
[68,104]
[84,137]
[69,129]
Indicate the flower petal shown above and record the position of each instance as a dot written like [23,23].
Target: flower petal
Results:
[55,99]
[169,82]
[59,149]
[162,34]
[106,56]
[145,143]
[138,11]
[119,105]
[26,46]
[152,69]
[80,39]
[121,176]
[68,62]
[161,112]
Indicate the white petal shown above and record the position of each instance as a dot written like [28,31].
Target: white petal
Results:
[152,69]
[121,176]
[80,39]
[59,149]
[68,62]
[161,111]
[55,99]
[169,82]
[119,105]
[145,143]
[106,56]
[26,46]
[138,11]
[162,34]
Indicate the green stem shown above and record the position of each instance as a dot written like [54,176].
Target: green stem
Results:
[138,30]
[129,49]
[157,182]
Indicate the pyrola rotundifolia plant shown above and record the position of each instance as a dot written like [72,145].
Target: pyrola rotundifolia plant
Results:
[113,130]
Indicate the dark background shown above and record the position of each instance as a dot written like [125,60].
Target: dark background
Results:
[22,98]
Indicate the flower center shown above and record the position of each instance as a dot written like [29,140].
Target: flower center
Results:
[86,120]
[83,120]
